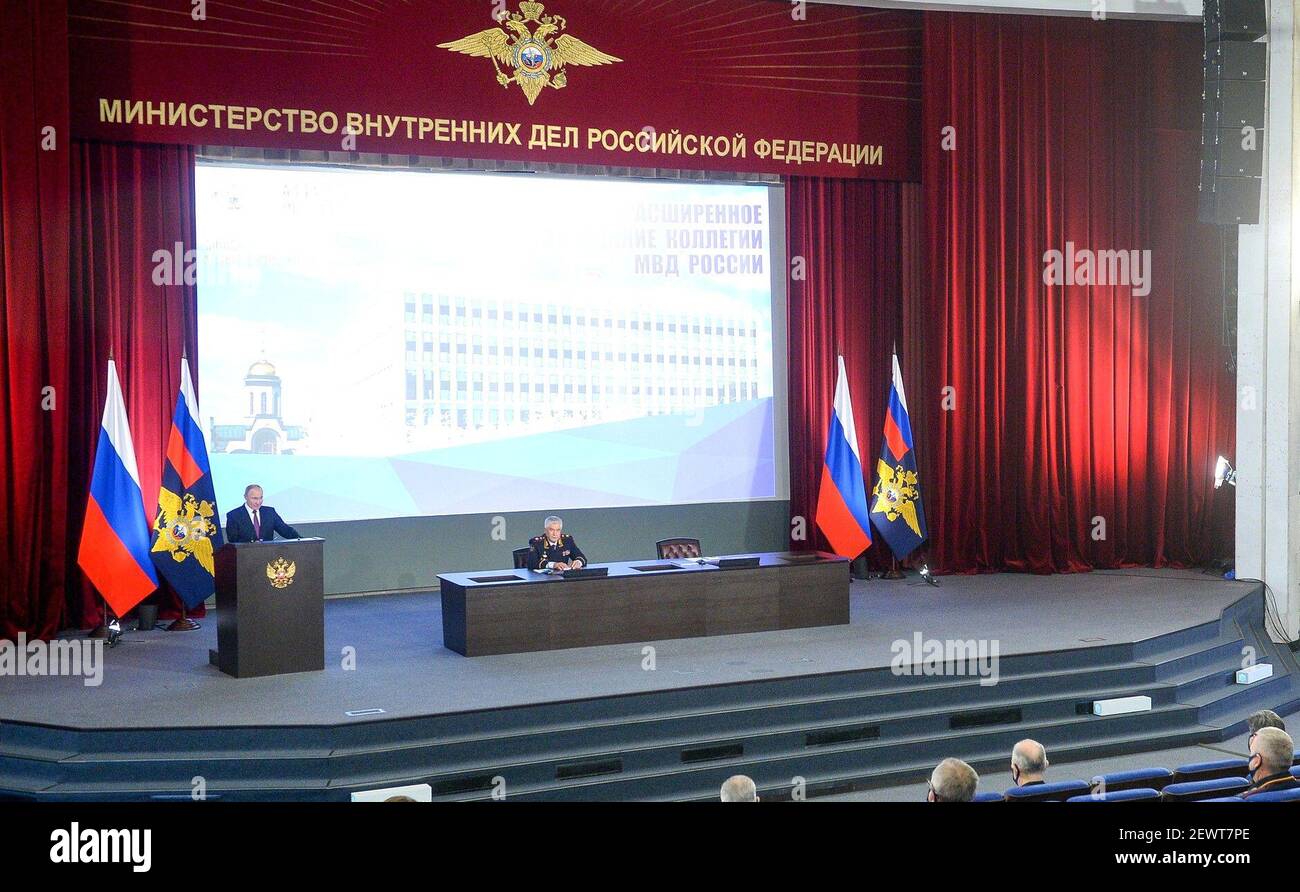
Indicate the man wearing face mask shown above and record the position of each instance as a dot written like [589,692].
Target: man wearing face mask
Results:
[1271,752]
[1028,763]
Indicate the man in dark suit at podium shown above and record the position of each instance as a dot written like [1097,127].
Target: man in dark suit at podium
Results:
[255,522]
[554,550]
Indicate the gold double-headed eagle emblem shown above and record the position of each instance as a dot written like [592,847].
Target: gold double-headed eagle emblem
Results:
[896,494]
[185,528]
[528,56]
[281,572]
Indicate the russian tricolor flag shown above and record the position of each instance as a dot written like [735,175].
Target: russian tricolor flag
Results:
[114,551]
[187,448]
[842,500]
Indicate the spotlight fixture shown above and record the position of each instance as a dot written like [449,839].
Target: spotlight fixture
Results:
[928,576]
[1224,473]
[114,631]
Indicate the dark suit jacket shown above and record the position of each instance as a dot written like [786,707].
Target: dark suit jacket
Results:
[239,526]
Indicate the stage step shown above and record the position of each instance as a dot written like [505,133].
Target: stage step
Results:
[543,758]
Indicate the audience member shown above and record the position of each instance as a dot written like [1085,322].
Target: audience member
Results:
[1028,763]
[952,781]
[739,789]
[1271,752]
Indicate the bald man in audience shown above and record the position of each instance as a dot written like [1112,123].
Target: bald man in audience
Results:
[1271,752]
[952,781]
[739,789]
[1028,763]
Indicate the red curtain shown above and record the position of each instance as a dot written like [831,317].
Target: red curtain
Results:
[128,202]
[852,256]
[79,223]
[34,420]
[1085,418]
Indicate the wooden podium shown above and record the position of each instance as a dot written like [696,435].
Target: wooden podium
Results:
[270,607]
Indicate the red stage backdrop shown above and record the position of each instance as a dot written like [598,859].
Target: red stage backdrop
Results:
[1064,424]
[759,86]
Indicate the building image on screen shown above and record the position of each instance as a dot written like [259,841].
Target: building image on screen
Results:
[550,343]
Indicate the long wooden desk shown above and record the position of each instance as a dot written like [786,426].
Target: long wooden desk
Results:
[514,611]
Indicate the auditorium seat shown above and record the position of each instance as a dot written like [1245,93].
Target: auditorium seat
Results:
[1203,789]
[1132,794]
[1057,792]
[1276,796]
[1199,771]
[521,557]
[678,549]
[987,797]
[1138,778]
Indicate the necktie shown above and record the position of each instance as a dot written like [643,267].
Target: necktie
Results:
[257,525]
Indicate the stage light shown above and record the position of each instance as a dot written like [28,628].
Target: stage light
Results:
[1224,473]
[928,576]
[114,631]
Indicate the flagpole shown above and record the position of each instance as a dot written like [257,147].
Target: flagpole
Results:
[895,572]
[183,623]
[861,560]
[101,630]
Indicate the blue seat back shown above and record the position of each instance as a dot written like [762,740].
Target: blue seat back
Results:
[1199,771]
[1137,779]
[1203,789]
[1057,792]
[1149,794]
[1276,796]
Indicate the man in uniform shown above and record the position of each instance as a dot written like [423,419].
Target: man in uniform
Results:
[554,550]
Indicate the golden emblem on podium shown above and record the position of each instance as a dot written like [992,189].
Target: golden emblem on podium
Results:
[527,56]
[280,572]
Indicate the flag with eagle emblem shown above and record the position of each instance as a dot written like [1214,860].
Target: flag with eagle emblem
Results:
[185,531]
[896,510]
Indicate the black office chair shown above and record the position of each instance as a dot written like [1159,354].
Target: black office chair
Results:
[678,549]
[521,557]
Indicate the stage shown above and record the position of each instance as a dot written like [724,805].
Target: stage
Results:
[599,723]
[162,678]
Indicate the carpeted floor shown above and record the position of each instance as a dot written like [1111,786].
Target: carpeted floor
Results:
[164,679]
